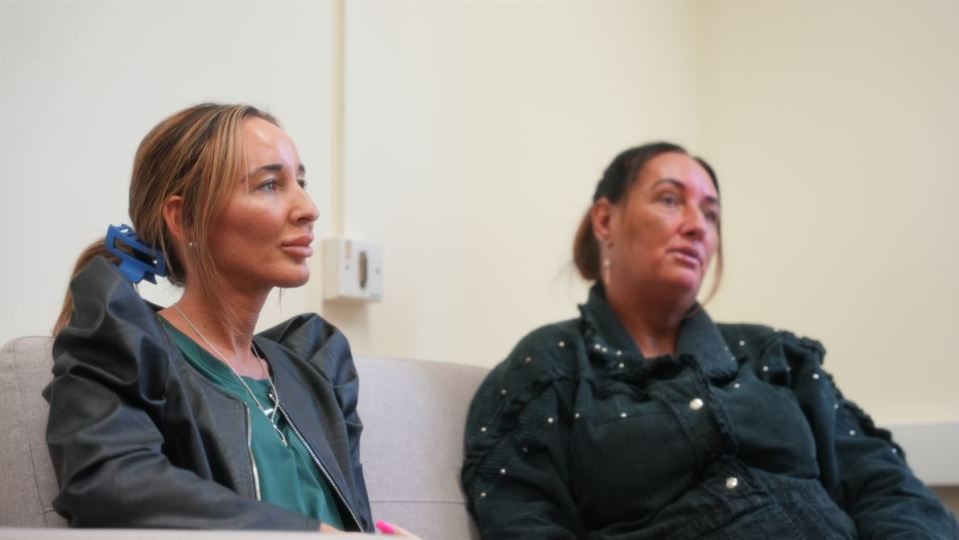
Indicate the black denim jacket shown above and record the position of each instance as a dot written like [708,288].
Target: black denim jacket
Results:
[139,438]
[740,435]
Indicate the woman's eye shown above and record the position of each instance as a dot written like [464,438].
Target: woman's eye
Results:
[669,199]
[269,185]
[711,216]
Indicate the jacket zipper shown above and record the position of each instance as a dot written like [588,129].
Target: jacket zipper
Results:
[249,448]
[323,470]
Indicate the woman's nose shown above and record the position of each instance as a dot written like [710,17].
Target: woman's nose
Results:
[694,223]
[305,210]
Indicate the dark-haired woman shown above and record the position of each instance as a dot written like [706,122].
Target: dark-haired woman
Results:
[644,419]
[181,417]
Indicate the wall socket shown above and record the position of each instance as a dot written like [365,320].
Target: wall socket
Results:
[352,270]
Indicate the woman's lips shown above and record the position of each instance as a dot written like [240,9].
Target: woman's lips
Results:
[299,246]
[688,256]
[298,251]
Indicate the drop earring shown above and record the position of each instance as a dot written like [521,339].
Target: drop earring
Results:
[607,263]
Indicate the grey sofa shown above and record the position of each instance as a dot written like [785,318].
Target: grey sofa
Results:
[413,413]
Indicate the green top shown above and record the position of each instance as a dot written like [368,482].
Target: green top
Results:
[288,477]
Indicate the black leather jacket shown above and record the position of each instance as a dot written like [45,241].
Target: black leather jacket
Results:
[138,438]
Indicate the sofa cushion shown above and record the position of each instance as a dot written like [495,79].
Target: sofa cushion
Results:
[412,447]
[29,482]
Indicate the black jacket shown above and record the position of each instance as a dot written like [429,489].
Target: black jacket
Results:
[138,438]
[741,434]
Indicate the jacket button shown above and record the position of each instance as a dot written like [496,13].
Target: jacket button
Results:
[732,482]
[696,404]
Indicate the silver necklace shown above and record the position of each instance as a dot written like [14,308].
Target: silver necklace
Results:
[269,413]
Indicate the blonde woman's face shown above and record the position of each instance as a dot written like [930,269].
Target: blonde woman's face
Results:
[263,236]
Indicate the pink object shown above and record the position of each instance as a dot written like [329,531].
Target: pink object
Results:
[385,527]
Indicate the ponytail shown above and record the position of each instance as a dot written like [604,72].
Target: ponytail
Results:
[96,249]
[586,249]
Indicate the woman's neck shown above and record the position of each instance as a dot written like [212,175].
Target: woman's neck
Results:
[230,334]
[652,320]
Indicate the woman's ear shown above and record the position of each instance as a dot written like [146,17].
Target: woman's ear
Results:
[602,214]
[173,217]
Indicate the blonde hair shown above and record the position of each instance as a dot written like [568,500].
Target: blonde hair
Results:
[196,154]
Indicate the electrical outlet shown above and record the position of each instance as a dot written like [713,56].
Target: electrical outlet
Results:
[352,270]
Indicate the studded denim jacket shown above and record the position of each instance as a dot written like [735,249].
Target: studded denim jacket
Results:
[741,434]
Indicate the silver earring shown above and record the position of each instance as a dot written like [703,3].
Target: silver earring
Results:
[607,264]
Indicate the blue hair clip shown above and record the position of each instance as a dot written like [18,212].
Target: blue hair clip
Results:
[138,261]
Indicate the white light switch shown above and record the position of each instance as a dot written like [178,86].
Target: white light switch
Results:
[352,270]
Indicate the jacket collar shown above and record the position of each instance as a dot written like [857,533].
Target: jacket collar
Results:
[699,337]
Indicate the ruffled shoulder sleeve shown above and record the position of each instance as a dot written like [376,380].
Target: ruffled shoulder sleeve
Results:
[515,470]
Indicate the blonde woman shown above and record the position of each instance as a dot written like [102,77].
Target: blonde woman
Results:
[181,417]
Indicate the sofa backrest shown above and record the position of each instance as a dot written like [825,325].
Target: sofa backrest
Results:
[413,416]
[412,447]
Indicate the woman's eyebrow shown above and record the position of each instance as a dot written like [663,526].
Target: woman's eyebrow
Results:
[681,186]
[669,180]
[276,167]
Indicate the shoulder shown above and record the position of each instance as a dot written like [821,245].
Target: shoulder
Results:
[542,364]
[113,330]
[310,338]
[733,333]
[548,352]
[100,292]
[762,340]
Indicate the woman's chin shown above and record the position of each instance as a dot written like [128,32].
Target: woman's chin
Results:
[685,284]
[294,279]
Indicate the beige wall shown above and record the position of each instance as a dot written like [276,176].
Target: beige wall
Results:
[833,128]
[81,83]
[474,134]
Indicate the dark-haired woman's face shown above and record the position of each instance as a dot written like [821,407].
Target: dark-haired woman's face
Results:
[666,229]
